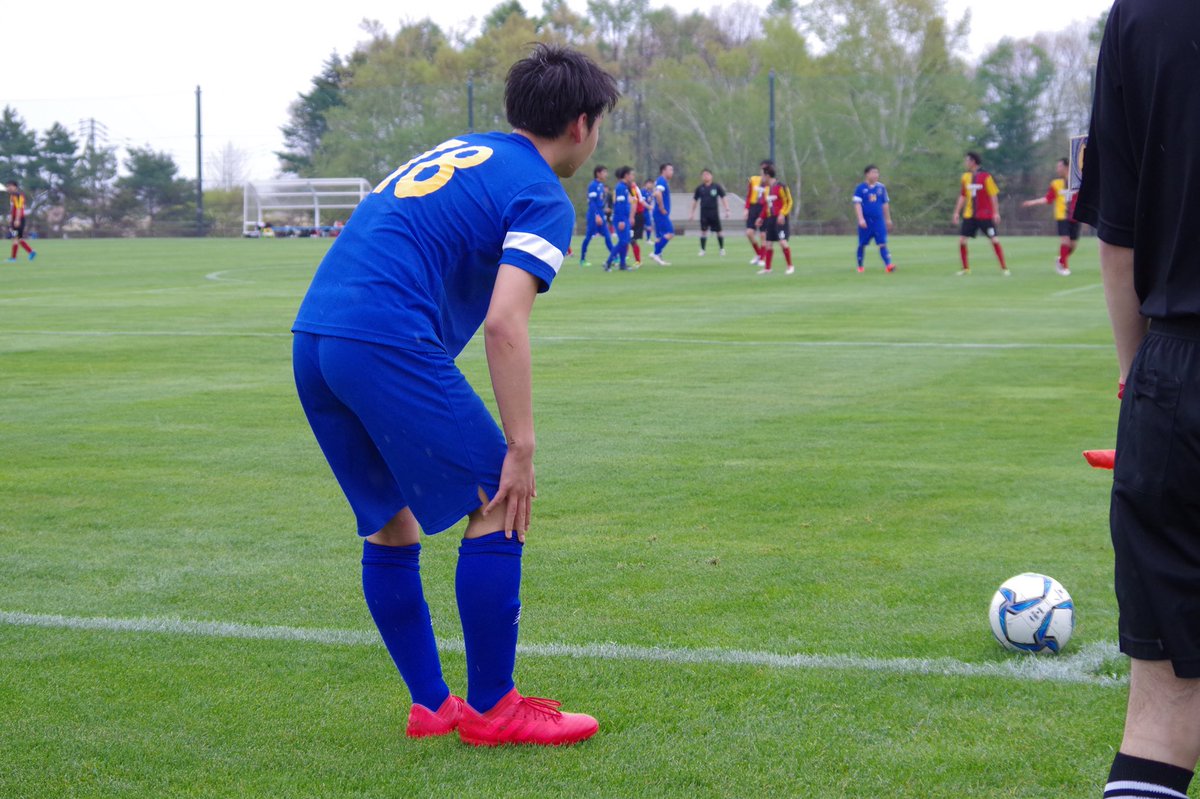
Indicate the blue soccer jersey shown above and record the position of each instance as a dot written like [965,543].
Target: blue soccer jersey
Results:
[596,194]
[415,265]
[622,209]
[871,199]
[662,188]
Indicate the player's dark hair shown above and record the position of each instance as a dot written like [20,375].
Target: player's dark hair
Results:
[974,156]
[13,183]
[769,170]
[765,163]
[663,167]
[706,169]
[1065,161]
[599,168]
[623,172]
[869,168]
[552,86]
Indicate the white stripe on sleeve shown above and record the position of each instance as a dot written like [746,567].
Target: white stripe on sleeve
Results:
[536,246]
[1133,788]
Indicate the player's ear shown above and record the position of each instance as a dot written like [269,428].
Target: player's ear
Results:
[578,129]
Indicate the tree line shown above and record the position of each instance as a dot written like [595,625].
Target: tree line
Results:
[886,82]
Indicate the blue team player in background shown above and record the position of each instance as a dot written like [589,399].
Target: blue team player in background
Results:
[874,216]
[623,216]
[664,231]
[597,195]
[465,234]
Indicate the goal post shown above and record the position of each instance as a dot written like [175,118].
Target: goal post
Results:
[290,200]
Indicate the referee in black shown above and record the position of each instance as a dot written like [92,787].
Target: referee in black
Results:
[707,195]
[1140,174]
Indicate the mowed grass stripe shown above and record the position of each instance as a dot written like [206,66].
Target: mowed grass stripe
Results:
[1081,667]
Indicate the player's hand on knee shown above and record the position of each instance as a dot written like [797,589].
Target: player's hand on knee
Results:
[518,488]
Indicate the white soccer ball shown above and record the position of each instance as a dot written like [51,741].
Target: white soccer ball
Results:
[1032,613]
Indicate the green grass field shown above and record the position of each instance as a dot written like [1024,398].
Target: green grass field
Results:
[833,465]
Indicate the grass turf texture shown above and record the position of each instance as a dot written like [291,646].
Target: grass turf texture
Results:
[782,464]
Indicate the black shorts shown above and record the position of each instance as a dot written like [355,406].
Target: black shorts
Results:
[752,215]
[774,230]
[17,231]
[971,226]
[1155,511]
[639,226]
[710,222]
[1069,229]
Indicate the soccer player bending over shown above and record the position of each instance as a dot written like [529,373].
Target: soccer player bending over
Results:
[979,203]
[874,216]
[413,447]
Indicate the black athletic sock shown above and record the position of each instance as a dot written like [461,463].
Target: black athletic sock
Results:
[1137,778]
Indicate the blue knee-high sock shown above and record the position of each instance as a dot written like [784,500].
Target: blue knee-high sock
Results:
[860,254]
[391,579]
[488,587]
[883,253]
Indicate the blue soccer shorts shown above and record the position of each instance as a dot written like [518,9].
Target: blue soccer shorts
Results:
[873,230]
[399,429]
[662,225]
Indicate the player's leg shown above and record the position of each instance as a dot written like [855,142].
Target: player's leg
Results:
[864,238]
[786,247]
[714,226]
[966,231]
[989,230]
[703,238]
[589,231]
[391,576]
[752,235]
[1154,521]
[881,239]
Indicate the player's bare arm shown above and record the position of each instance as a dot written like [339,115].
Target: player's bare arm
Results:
[1124,308]
[862,220]
[506,341]
[958,206]
[887,215]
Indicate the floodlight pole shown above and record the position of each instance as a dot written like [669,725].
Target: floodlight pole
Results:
[199,172]
[771,126]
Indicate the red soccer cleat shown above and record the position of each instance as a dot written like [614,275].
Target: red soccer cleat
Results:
[890,268]
[520,719]
[423,722]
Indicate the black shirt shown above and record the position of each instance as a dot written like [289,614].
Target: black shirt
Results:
[1141,168]
[707,195]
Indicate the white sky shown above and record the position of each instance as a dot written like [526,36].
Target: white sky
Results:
[134,66]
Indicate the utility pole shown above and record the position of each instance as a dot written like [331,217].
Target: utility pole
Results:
[199,172]
[771,83]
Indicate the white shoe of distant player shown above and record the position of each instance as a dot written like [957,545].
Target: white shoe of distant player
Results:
[657,259]
[756,261]
[1006,272]
[1062,270]
[764,271]
[701,253]
[790,270]
[722,252]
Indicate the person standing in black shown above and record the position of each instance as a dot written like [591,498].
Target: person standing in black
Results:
[707,195]
[1141,171]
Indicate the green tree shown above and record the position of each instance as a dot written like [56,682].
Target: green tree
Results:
[1013,78]
[18,150]
[152,192]
[55,184]
[95,175]
[308,123]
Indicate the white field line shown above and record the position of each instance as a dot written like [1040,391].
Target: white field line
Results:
[1077,290]
[934,345]
[1081,667]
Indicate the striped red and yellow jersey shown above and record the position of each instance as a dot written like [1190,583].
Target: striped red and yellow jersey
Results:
[981,193]
[754,191]
[16,208]
[777,200]
[1057,196]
